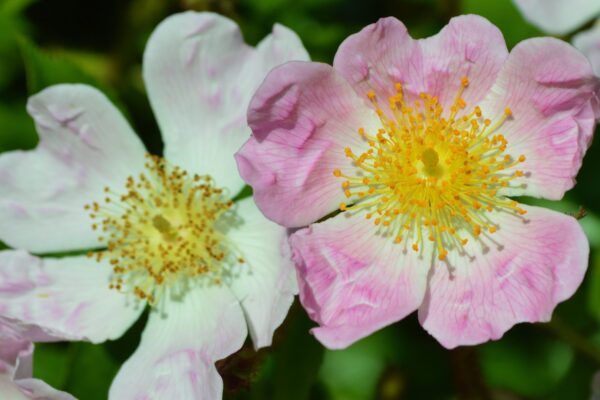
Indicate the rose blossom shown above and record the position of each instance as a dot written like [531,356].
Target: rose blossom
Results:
[166,231]
[419,144]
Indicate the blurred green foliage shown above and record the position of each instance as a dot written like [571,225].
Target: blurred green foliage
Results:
[101,43]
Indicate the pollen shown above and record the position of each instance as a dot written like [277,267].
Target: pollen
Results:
[162,234]
[432,175]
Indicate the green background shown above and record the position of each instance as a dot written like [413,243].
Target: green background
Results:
[101,43]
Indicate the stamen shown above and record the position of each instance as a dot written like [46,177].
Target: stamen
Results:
[161,233]
[426,176]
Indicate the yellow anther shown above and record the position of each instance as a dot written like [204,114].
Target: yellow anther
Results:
[430,174]
[337,172]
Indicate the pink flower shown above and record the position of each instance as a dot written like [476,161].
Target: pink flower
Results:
[558,17]
[588,42]
[166,233]
[419,143]
[16,351]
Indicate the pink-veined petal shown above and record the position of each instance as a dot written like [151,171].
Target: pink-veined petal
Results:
[66,297]
[354,281]
[536,263]
[302,117]
[383,54]
[200,76]
[176,356]
[379,56]
[558,17]
[469,46]
[16,351]
[266,283]
[35,389]
[85,145]
[552,93]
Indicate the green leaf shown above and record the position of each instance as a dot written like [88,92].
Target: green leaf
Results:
[296,361]
[44,69]
[91,372]
[17,130]
[526,364]
[593,291]
[51,363]
[14,7]
[505,16]
[353,373]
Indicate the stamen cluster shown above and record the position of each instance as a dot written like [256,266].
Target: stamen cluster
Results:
[430,176]
[163,232]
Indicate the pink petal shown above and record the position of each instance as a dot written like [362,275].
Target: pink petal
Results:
[200,76]
[302,117]
[379,56]
[536,265]
[35,389]
[558,17]
[176,356]
[85,145]
[588,42]
[266,283]
[469,46]
[353,281]
[16,352]
[551,90]
[66,297]
[16,345]
[383,54]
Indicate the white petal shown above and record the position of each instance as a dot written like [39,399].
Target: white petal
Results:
[36,389]
[175,359]
[85,145]
[200,76]
[66,297]
[558,17]
[267,283]
[588,42]
[9,390]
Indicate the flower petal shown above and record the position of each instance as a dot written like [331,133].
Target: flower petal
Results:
[353,281]
[302,117]
[383,54]
[9,389]
[85,145]
[550,88]
[588,42]
[469,46]
[16,352]
[558,17]
[16,345]
[200,76]
[267,283]
[176,356]
[13,344]
[379,56]
[67,297]
[35,389]
[536,265]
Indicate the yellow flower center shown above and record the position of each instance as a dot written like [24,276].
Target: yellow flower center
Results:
[430,177]
[165,231]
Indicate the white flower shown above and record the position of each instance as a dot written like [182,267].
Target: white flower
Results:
[166,230]
[558,17]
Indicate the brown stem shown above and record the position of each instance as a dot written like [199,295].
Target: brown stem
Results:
[469,381]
